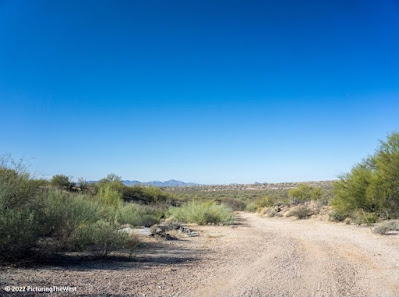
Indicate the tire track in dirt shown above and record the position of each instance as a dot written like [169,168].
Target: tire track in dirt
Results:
[303,258]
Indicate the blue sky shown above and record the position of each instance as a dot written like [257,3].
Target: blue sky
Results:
[203,91]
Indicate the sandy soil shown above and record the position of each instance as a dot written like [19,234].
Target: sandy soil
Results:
[258,257]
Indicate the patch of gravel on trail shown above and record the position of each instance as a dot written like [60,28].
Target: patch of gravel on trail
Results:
[258,257]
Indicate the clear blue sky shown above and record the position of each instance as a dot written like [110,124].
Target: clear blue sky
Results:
[203,91]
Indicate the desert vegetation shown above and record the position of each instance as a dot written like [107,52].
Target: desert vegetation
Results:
[41,218]
[366,195]
[300,200]
[260,197]
[386,226]
[202,213]
[370,192]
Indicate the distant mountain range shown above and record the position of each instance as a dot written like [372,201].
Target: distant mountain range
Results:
[168,183]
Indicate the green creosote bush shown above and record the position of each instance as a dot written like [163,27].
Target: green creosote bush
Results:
[266,201]
[139,215]
[101,238]
[202,213]
[304,192]
[62,212]
[18,233]
[18,210]
[109,195]
[251,207]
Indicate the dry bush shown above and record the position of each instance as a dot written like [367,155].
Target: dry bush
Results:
[268,212]
[315,206]
[386,226]
[299,211]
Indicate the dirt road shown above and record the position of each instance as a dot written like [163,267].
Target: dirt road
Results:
[259,257]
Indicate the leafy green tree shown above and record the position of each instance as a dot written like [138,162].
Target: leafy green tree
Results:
[350,192]
[62,182]
[110,178]
[373,185]
[384,188]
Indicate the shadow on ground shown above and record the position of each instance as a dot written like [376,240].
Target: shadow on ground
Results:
[148,255]
[240,222]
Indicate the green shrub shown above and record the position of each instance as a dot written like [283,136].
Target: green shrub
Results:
[74,220]
[17,189]
[202,213]
[109,179]
[266,201]
[18,212]
[109,195]
[101,238]
[251,207]
[62,212]
[139,215]
[145,194]
[18,233]
[62,182]
[339,215]
[304,192]
[135,193]
[361,217]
